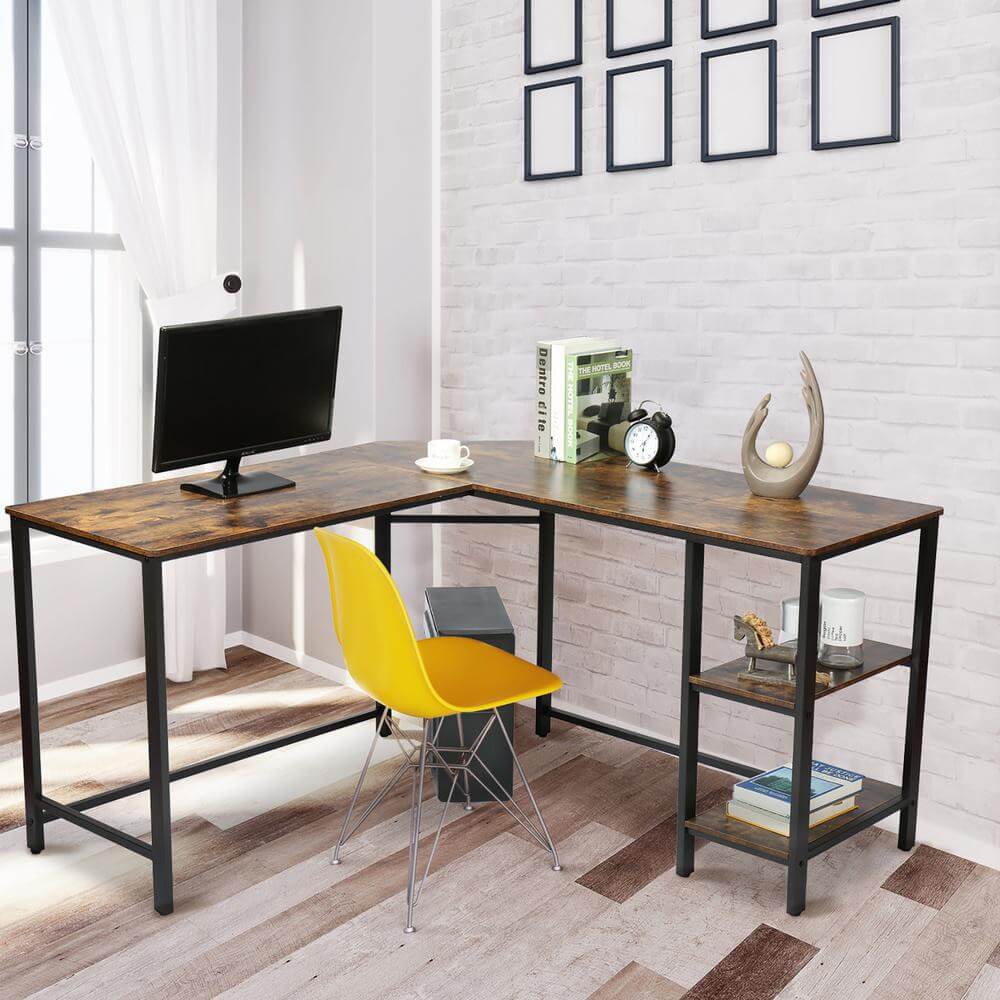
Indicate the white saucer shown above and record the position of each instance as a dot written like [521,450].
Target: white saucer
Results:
[427,465]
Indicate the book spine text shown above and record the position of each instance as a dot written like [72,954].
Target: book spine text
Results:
[543,373]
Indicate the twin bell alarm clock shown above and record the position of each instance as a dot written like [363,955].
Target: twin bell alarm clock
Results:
[649,441]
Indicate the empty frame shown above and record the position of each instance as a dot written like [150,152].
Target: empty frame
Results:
[553,129]
[820,8]
[855,84]
[639,116]
[739,102]
[727,17]
[553,34]
[638,26]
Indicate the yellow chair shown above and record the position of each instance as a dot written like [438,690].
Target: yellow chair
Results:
[428,679]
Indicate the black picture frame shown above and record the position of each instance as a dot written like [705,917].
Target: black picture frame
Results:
[817,37]
[666,43]
[578,41]
[577,83]
[769,22]
[668,140]
[840,8]
[772,101]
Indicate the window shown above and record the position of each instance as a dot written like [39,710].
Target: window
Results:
[71,331]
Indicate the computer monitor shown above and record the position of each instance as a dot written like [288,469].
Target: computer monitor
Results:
[238,387]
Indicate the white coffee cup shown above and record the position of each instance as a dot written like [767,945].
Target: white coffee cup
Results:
[447,452]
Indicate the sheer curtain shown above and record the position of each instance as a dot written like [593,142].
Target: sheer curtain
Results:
[145,77]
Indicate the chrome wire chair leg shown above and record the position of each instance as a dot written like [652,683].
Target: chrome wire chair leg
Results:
[435,761]
[402,738]
[418,801]
[556,867]
[437,837]
[335,856]
[429,756]
[465,754]
[372,806]
[465,776]
[509,805]
[348,830]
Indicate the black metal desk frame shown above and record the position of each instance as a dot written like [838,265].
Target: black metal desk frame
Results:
[40,809]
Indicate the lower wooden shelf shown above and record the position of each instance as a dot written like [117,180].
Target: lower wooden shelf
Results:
[876,801]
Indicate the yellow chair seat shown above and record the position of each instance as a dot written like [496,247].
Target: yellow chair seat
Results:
[423,678]
[474,676]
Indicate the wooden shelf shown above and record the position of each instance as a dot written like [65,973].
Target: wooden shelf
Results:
[876,801]
[724,680]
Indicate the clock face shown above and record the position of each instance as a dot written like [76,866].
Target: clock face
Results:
[641,444]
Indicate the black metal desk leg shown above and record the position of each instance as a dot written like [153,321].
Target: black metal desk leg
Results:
[805,704]
[687,777]
[156,728]
[24,617]
[546,596]
[917,699]
[383,550]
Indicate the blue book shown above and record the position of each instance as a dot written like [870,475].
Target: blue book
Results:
[773,789]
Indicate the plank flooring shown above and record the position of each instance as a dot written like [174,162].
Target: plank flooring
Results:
[929,876]
[260,913]
[649,855]
[636,982]
[758,968]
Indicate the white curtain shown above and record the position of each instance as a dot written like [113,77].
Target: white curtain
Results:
[145,77]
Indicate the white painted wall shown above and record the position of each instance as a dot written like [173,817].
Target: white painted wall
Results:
[337,210]
[881,262]
[88,614]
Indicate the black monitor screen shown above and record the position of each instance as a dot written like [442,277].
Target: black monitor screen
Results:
[239,386]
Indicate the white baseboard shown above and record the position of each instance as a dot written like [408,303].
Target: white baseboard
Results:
[77,683]
[330,671]
[94,678]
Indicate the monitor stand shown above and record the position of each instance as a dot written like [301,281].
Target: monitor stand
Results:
[232,483]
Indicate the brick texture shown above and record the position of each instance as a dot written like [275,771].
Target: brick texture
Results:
[880,262]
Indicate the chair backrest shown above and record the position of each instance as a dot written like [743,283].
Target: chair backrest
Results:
[374,630]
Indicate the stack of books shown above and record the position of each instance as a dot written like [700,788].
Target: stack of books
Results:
[766,801]
[583,392]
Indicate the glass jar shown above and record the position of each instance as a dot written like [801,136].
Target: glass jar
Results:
[842,629]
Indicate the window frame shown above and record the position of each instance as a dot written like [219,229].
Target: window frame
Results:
[28,239]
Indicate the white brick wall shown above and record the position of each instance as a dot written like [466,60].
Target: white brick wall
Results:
[881,262]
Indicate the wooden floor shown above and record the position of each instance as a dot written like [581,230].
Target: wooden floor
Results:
[260,912]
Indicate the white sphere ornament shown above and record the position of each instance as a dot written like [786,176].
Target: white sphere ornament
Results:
[779,455]
[766,480]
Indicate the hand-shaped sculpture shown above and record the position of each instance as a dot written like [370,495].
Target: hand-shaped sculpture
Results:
[787,483]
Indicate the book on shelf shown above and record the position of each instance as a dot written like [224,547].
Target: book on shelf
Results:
[772,791]
[598,396]
[776,823]
[550,357]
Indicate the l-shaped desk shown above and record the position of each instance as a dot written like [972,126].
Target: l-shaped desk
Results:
[157,522]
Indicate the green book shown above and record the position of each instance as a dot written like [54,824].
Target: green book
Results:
[598,396]
[561,350]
